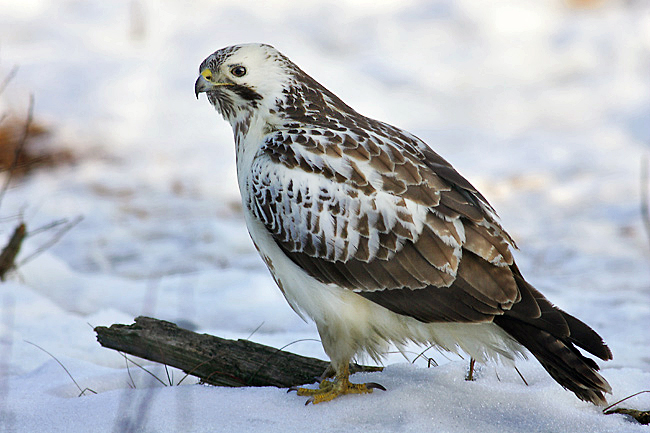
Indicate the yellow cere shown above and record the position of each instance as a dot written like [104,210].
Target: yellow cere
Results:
[207,74]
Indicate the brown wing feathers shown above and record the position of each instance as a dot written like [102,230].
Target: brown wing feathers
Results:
[459,268]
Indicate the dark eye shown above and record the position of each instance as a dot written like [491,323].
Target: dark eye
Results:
[238,71]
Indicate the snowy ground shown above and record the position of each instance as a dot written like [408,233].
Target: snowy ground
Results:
[544,107]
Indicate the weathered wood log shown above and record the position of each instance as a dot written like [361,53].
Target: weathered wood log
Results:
[214,360]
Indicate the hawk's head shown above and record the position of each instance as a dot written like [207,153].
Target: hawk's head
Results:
[240,78]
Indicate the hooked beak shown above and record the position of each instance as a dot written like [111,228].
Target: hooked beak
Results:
[202,85]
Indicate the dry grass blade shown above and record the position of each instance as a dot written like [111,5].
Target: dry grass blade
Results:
[255,330]
[470,374]
[521,376]
[430,360]
[641,416]
[82,391]
[128,370]
[623,399]
[144,369]
[421,355]
[191,372]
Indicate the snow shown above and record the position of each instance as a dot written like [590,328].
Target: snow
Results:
[543,106]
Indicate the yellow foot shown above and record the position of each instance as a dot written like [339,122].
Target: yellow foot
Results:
[330,389]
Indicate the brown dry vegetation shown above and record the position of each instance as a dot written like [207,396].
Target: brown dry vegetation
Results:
[584,3]
[25,145]
[37,150]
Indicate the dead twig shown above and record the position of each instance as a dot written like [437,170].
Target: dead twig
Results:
[47,227]
[11,250]
[66,228]
[19,147]
[10,76]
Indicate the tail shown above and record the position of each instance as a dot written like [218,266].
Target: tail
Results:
[552,335]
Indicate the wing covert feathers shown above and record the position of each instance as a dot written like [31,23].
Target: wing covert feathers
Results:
[389,219]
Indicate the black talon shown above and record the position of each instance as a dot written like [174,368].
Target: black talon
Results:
[373,385]
[293,388]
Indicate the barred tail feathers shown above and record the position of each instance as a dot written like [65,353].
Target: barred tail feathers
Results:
[552,338]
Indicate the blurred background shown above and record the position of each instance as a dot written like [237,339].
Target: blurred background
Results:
[126,187]
[127,183]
